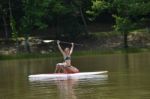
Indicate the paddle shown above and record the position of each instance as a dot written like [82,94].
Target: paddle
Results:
[49,41]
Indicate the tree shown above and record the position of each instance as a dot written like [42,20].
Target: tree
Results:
[13,27]
[4,15]
[126,15]
[33,10]
[124,26]
[82,6]
[69,16]
[98,6]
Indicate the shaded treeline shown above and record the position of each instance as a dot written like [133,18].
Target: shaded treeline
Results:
[69,18]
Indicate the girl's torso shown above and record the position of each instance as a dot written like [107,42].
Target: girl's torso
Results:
[67,60]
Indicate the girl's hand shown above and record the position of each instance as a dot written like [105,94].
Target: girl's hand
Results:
[58,41]
[72,44]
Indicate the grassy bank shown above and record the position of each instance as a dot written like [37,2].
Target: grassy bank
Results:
[76,53]
[27,56]
[111,51]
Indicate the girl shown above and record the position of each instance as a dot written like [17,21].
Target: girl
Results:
[66,65]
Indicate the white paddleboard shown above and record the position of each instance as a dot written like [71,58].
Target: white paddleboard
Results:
[68,76]
[64,75]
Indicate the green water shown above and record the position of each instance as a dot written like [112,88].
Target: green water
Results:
[128,78]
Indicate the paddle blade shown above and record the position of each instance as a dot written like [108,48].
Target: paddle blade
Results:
[48,41]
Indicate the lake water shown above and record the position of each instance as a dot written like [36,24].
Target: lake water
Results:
[128,78]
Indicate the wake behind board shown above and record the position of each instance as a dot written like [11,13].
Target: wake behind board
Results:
[80,75]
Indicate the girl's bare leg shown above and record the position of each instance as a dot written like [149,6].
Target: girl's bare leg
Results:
[64,70]
[56,69]
[59,69]
[72,70]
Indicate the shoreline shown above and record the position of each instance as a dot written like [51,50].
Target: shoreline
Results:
[98,43]
[75,54]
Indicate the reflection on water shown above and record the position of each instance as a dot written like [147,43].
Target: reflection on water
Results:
[67,86]
[128,78]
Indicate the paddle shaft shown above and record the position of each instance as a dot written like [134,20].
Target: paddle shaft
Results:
[71,43]
[49,41]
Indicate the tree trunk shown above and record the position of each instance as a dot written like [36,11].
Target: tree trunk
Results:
[13,27]
[26,45]
[84,22]
[17,44]
[5,27]
[125,40]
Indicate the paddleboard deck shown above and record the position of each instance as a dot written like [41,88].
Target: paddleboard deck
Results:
[66,75]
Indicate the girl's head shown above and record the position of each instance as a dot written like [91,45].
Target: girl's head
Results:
[67,50]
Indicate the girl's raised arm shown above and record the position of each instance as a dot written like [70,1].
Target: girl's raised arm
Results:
[61,50]
[71,50]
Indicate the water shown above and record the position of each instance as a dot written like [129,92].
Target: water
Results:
[128,78]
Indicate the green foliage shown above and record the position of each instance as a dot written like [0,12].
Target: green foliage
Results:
[123,24]
[126,15]
[131,7]
[67,16]
[131,12]
[33,10]
[60,9]
[98,6]
[13,27]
